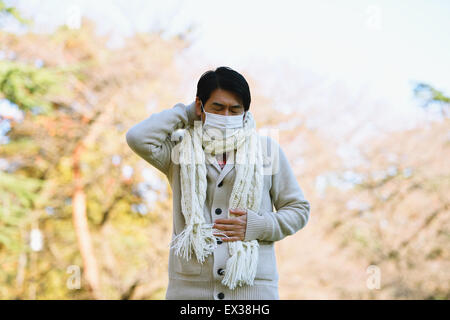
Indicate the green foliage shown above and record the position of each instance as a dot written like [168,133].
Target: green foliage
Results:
[11,11]
[430,94]
[17,195]
[29,86]
[24,145]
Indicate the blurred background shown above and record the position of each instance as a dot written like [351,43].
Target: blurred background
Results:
[358,91]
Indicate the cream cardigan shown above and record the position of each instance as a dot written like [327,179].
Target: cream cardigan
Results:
[152,140]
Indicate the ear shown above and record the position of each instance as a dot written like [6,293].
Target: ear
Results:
[198,108]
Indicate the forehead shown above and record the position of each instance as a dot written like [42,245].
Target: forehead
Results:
[224,97]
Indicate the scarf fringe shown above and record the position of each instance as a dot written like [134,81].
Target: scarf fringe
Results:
[198,238]
[241,266]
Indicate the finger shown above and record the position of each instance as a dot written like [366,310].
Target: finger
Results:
[222,236]
[230,233]
[235,226]
[239,225]
[238,212]
[226,221]
[231,227]
[227,227]
[232,239]
[241,220]
[234,233]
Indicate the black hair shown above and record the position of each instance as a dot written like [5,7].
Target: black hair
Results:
[223,78]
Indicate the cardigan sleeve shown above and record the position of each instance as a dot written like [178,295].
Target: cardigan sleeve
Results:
[151,138]
[293,210]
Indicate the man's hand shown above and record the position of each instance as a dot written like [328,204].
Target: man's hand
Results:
[234,228]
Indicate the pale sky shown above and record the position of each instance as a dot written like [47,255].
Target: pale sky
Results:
[380,44]
[349,38]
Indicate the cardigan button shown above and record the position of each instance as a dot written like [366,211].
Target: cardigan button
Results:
[220,184]
[218,211]
[219,241]
[220,295]
[221,272]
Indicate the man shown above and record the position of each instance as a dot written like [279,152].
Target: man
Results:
[225,179]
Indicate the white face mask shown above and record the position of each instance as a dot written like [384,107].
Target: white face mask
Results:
[219,121]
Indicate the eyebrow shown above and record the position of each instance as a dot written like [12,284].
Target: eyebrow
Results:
[221,105]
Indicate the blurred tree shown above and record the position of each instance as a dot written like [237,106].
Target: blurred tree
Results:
[29,86]
[77,108]
[429,95]
[9,11]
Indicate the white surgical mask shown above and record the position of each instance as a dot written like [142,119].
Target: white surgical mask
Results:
[223,122]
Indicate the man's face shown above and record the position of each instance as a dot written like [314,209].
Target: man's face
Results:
[221,102]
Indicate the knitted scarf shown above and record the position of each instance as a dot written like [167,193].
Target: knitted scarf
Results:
[196,146]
